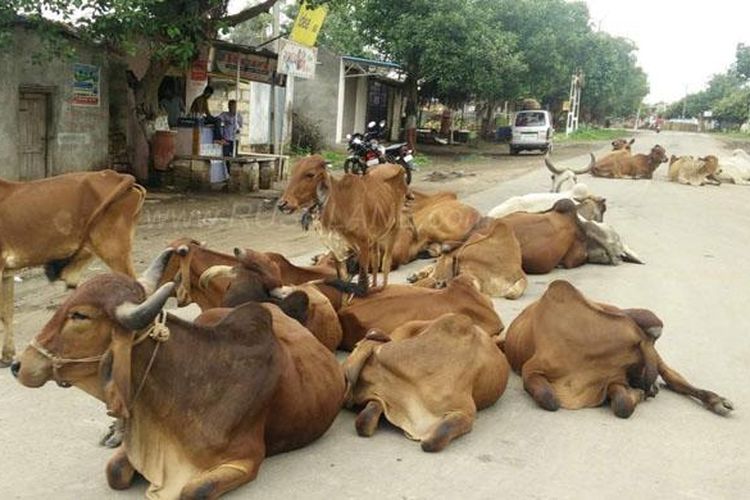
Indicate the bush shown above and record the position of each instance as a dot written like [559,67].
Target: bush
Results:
[306,134]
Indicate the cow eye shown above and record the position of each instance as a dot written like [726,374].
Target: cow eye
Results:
[310,175]
[78,316]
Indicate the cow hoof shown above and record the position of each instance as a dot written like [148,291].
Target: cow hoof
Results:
[720,406]
[6,361]
[412,278]
[113,437]
[622,408]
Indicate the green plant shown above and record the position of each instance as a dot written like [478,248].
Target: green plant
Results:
[306,134]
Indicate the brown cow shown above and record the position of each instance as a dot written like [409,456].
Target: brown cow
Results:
[491,258]
[428,377]
[196,426]
[436,220]
[694,171]
[221,280]
[398,304]
[622,144]
[363,212]
[574,353]
[61,223]
[549,239]
[619,164]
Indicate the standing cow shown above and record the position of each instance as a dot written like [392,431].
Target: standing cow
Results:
[61,223]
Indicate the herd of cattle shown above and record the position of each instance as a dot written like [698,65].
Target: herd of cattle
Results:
[202,402]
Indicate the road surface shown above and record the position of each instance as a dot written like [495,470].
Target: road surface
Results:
[696,278]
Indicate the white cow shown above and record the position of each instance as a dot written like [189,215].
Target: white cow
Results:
[564,179]
[735,168]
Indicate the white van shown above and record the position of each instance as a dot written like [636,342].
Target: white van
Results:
[531,129]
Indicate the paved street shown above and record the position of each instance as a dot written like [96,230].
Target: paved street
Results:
[696,278]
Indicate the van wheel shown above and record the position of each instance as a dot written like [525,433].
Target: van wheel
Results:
[513,151]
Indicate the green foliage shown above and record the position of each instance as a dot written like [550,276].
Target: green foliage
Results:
[306,134]
[742,61]
[593,134]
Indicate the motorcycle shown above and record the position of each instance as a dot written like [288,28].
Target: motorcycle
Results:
[366,152]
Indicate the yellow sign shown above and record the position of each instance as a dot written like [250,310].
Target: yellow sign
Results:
[566,106]
[308,24]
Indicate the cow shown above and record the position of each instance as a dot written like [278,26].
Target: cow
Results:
[429,378]
[735,168]
[622,144]
[564,179]
[398,304]
[549,239]
[620,164]
[694,171]
[490,257]
[434,220]
[604,245]
[61,223]
[202,403]
[363,212]
[190,259]
[575,353]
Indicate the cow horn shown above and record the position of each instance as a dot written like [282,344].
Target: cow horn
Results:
[588,168]
[150,278]
[213,272]
[630,256]
[551,166]
[138,316]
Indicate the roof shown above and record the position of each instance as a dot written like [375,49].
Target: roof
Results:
[371,62]
[245,49]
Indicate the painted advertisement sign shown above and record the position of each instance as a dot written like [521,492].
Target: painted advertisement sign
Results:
[86,85]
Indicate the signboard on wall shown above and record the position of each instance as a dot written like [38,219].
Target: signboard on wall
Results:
[253,67]
[297,60]
[308,24]
[86,85]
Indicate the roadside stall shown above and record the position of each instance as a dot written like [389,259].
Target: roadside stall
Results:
[201,161]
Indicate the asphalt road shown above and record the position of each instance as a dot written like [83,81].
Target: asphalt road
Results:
[696,278]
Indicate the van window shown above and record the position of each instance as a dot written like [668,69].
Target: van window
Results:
[530,120]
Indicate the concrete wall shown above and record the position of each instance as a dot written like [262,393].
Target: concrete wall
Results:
[317,99]
[77,136]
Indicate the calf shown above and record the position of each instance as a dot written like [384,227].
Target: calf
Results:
[694,171]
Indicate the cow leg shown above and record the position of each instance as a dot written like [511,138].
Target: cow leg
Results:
[368,419]
[222,478]
[678,384]
[623,400]
[541,391]
[452,425]
[363,284]
[120,471]
[111,237]
[6,315]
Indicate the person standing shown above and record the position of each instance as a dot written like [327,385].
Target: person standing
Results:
[232,121]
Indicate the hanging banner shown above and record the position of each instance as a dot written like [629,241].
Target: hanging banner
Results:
[253,67]
[86,85]
[297,60]
[308,24]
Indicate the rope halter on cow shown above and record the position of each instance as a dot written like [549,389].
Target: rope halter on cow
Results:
[158,331]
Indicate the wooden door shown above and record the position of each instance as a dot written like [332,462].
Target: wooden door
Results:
[32,127]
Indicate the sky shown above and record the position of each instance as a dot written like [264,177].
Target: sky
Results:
[681,43]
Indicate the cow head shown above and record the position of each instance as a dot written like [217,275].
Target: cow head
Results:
[178,268]
[565,178]
[711,167]
[308,184]
[622,144]
[88,341]
[658,155]
[592,208]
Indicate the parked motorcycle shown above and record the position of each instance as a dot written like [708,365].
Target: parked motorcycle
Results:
[366,152]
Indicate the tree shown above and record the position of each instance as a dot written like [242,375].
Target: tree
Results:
[167,33]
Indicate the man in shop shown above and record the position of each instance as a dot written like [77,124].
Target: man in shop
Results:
[200,104]
[232,122]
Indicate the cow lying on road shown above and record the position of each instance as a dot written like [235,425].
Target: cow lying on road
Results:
[491,258]
[735,168]
[574,353]
[565,179]
[196,426]
[429,378]
[622,144]
[620,164]
[61,223]
[694,171]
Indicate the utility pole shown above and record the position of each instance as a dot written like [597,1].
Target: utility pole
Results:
[575,103]
[637,119]
[684,103]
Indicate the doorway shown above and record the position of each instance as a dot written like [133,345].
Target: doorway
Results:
[32,131]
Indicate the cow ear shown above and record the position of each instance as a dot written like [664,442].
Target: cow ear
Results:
[115,370]
[321,192]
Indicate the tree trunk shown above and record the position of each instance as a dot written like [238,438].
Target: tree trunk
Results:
[146,102]
[488,121]
[412,100]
